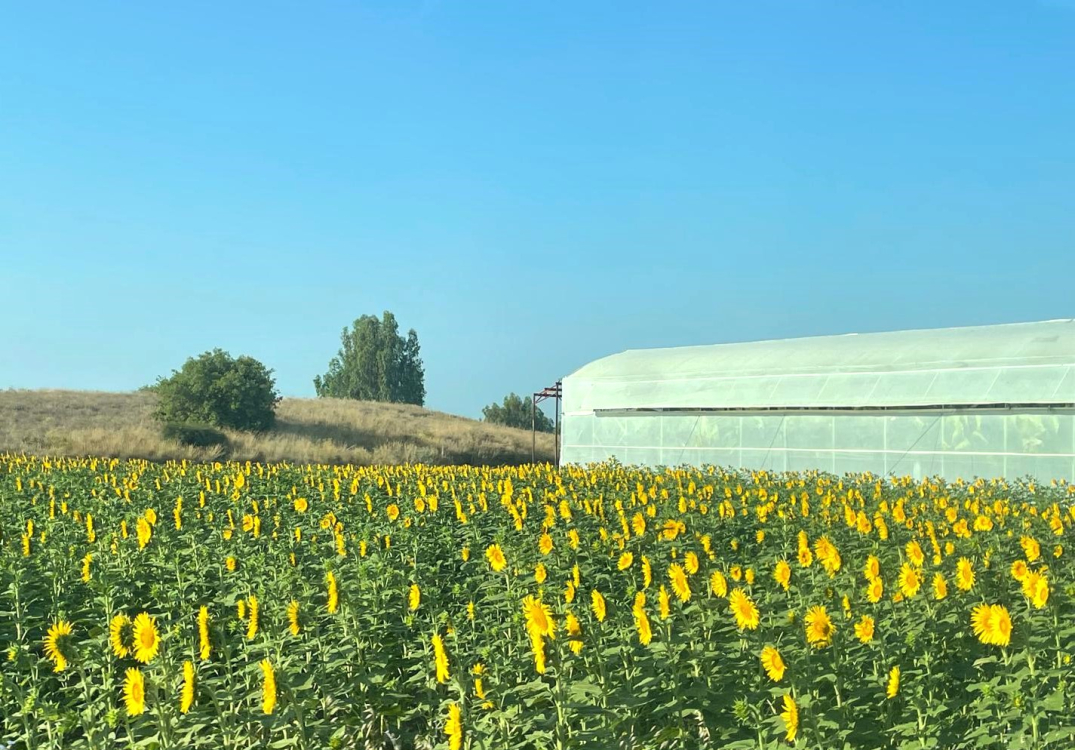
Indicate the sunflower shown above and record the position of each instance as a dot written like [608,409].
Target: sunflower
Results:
[597,602]
[293,617]
[440,658]
[680,585]
[574,634]
[145,532]
[569,591]
[875,590]
[414,597]
[540,573]
[204,646]
[647,572]
[893,682]
[964,574]
[828,555]
[545,544]
[638,524]
[690,562]
[782,574]
[790,715]
[268,687]
[134,692]
[819,627]
[1036,589]
[537,646]
[1019,570]
[53,645]
[146,640]
[252,622]
[806,558]
[573,538]
[186,696]
[746,613]
[1031,547]
[872,569]
[864,629]
[453,728]
[915,554]
[625,561]
[642,626]
[718,584]
[538,617]
[940,586]
[910,580]
[119,635]
[333,593]
[301,504]
[496,558]
[662,602]
[992,624]
[773,663]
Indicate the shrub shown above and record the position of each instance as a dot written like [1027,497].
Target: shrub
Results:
[196,435]
[219,390]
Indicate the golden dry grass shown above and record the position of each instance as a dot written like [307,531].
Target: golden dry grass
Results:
[87,423]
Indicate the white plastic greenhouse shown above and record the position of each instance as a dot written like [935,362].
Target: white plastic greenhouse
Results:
[955,402]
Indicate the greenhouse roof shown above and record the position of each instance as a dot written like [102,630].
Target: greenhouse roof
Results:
[1004,366]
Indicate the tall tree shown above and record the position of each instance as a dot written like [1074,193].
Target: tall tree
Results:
[516,412]
[412,381]
[375,363]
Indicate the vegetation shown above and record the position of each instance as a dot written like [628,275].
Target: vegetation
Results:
[252,605]
[217,389]
[196,435]
[516,411]
[306,430]
[375,363]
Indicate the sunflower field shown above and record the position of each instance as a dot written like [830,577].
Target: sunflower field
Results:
[273,606]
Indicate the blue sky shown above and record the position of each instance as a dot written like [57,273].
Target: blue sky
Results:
[529,185]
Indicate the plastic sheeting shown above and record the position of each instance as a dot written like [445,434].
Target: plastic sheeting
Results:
[961,402]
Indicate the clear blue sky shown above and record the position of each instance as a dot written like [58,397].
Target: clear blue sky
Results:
[529,185]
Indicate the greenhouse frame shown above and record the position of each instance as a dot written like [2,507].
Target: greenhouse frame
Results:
[955,402]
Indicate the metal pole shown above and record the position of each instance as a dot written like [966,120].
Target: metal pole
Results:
[556,438]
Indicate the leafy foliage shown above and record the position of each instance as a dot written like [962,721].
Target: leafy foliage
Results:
[217,389]
[407,606]
[197,435]
[515,411]
[375,363]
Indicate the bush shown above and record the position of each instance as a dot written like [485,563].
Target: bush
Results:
[196,435]
[218,390]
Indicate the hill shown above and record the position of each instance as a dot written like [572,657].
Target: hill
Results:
[87,423]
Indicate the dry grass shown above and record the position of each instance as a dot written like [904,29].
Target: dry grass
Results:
[86,423]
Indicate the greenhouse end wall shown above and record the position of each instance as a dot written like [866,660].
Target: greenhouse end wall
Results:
[950,445]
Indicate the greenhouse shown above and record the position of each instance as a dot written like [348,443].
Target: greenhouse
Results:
[956,402]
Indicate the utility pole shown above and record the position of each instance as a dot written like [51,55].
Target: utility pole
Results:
[555,391]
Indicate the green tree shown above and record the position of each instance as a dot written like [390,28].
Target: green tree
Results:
[375,363]
[217,389]
[516,412]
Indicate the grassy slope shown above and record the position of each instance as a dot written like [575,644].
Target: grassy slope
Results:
[85,423]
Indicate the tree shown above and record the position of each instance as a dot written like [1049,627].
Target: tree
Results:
[516,412]
[375,363]
[217,389]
